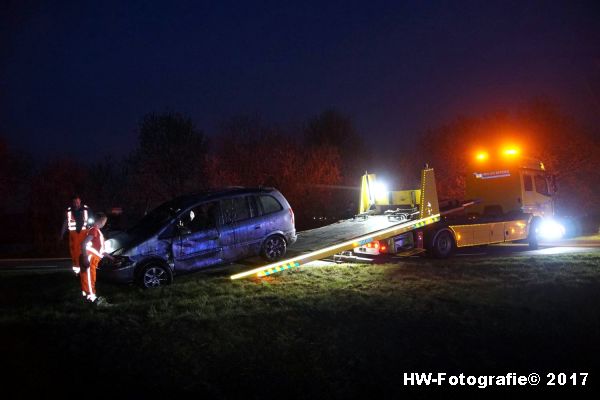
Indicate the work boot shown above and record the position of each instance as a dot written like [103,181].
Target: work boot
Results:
[102,302]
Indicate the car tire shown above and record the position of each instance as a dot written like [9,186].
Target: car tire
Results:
[443,244]
[154,274]
[274,248]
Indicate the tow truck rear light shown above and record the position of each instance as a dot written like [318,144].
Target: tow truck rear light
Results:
[373,245]
[419,240]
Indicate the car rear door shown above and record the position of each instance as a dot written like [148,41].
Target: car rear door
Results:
[240,215]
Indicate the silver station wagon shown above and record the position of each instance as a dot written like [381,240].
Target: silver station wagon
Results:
[197,231]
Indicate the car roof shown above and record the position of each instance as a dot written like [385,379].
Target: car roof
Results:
[189,200]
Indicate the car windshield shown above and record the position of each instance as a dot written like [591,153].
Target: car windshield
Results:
[156,218]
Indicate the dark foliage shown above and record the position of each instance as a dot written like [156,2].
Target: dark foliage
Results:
[541,130]
[317,171]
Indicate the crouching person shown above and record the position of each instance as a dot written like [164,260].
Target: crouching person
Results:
[92,251]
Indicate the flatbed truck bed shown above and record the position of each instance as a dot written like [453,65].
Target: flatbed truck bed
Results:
[320,243]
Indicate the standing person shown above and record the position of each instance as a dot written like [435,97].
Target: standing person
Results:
[76,222]
[92,248]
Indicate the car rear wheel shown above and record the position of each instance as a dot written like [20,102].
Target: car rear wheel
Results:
[155,275]
[274,248]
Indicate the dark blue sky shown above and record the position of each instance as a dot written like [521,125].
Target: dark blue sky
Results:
[77,75]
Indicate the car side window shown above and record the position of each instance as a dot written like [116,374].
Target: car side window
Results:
[527,183]
[541,185]
[269,204]
[235,209]
[170,231]
[201,217]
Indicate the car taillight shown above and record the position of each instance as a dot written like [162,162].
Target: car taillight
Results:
[292,215]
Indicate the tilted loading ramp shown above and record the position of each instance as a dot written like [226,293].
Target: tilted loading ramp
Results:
[329,240]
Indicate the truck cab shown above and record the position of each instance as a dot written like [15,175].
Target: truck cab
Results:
[519,185]
[512,198]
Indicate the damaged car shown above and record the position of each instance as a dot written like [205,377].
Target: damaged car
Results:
[197,231]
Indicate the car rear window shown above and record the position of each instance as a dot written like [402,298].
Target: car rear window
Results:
[269,204]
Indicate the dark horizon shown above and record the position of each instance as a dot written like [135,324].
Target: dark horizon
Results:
[76,77]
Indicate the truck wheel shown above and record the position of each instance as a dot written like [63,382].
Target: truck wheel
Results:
[273,248]
[443,244]
[532,238]
[154,274]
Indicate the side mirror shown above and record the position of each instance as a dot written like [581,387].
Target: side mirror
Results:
[183,231]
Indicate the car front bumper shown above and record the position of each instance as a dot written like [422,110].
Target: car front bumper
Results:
[123,273]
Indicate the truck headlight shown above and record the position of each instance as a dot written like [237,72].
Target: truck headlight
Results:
[550,229]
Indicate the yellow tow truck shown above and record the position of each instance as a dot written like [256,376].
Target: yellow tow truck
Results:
[510,199]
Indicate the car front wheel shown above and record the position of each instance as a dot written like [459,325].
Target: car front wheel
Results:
[155,275]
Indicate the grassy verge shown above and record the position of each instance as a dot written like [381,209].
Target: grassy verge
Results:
[329,331]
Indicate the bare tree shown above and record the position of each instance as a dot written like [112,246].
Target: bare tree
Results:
[249,152]
[169,161]
[51,191]
[333,129]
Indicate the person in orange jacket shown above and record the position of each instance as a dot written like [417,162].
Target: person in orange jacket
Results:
[76,222]
[92,251]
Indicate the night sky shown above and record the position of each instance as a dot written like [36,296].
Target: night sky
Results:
[76,77]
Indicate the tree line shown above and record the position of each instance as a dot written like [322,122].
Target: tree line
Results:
[567,149]
[174,157]
[317,168]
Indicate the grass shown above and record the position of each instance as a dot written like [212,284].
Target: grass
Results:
[318,332]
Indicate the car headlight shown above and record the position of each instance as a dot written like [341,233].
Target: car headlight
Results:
[110,245]
[550,229]
[117,262]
